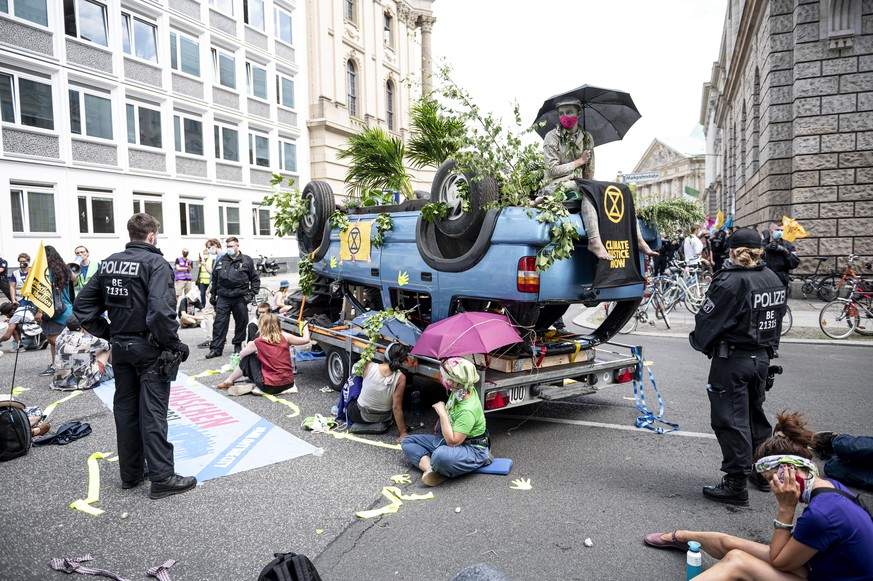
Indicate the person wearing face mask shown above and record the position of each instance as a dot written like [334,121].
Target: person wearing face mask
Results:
[738,327]
[830,540]
[204,273]
[16,279]
[235,282]
[4,281]
[89,269]
[460,443]
[136,288]
[182,274]
[569,153]
[779,254]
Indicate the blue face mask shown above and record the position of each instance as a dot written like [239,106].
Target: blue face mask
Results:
[212,251]
[777,234]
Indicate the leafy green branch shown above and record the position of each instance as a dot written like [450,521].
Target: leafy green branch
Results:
[669,215]
[435,211]
[373,330]
[307,276]
[289,207]
[562,232]
[383,225]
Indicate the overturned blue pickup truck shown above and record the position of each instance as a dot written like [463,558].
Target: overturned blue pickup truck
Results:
[480,259]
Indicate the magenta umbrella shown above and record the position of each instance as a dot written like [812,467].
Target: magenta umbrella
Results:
[465,333]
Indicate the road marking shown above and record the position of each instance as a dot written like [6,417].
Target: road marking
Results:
[602,425]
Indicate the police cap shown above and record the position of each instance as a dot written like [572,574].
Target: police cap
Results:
[745,238]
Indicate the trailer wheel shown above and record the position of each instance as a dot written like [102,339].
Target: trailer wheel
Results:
[339,366]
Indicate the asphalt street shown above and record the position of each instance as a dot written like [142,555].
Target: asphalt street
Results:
[592,474]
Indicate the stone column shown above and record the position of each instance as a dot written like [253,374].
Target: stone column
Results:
[426,23]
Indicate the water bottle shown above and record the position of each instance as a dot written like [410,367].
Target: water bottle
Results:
[416,403]
[234,361]
[693,566]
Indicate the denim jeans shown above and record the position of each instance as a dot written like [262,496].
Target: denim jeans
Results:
[448,460]
[852,463]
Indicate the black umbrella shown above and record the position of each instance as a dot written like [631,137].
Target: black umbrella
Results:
[607,115]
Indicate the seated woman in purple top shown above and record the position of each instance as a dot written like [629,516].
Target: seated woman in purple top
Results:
[832,539]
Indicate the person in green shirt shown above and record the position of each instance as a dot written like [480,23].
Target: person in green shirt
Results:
[460,444]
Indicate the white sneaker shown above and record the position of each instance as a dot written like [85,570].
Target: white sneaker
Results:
[292,389]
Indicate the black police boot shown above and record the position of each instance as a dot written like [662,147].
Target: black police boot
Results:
[205,345]
[731,490]
[237,348]
[213,355]
[175,484]
[759,482]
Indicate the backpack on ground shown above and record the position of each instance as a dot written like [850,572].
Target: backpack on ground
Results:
[289,567]
[15,434]
[856,498]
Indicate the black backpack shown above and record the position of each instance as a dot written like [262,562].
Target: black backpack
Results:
[15,434]
[857,499]
[289,567]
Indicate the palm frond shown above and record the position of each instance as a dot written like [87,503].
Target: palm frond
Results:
[435,137]
[376,163]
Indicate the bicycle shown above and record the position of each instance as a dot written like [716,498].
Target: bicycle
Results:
[690,291]
[265,295]
[820,284]
[651,296]
[843,316]
[787,320]
[849,274]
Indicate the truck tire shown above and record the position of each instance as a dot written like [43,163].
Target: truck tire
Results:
[483,191]
[319,196]
[339,366]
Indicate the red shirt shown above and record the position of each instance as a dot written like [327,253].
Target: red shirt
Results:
[275,362]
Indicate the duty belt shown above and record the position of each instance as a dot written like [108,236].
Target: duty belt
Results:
[131,334]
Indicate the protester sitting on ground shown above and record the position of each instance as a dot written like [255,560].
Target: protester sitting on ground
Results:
[382,391]
[188,308]
[849,458]
[81,359]
[266,361]
[22,326]
[830,540]
[280,297]
[252,332]
[461,443]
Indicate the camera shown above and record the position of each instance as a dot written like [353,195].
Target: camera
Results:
[772,372]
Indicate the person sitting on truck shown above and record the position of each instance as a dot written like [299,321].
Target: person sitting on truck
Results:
[266,361]
[382,391]
[569,153]
[461,443]
[280,298]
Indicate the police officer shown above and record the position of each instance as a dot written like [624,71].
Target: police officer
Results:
[136,288]
[738,327]
[235,282]
[779,254]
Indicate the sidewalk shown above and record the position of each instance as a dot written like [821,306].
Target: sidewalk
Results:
[805,328]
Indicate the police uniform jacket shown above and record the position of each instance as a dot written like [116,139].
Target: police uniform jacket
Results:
[780,259]
[743,307]
[136,288]
[235,277]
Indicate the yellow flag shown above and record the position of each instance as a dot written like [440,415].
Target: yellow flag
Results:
[355,242]
[719,221]
[37,286]
[791,230]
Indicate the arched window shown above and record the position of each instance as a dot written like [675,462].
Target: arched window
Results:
[352,87]
[389,104]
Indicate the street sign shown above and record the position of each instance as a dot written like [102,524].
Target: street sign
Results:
[640,177]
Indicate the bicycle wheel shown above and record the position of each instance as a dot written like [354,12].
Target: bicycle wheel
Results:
[660,311]
[807,289]
[787,320]
[838,318]
[631,324]
[865,324]
[827,289]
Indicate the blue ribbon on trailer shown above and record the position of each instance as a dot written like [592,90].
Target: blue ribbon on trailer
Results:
[647,419]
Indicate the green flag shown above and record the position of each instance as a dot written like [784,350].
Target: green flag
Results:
[689,191]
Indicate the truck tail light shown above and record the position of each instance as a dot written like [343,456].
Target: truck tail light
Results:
[495,400]
[528,277]
[624,374]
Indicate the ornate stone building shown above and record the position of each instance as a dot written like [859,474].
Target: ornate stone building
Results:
[361,55]
[679,165]
[788,114]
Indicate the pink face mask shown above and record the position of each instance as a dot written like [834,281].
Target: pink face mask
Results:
[568,122]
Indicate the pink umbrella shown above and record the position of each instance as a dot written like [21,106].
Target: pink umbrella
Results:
[465,333]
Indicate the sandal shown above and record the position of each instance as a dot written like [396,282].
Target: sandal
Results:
[655,540]
[224,384]
[40,430]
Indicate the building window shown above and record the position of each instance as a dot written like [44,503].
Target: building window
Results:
[388,29]
[188,133]
[33,210]
[349,10]
[256,80]
[151,205]
[287,156]
[35,106]
[143,126]
[261,221]
[32,10]
[285,91]
[96,214]
[259,150]
[352,88]
[253,13]
[86,19]
[184,54]
[228,220]
[191,218]
[226,143]
[389,104]
[139,38]
[223,68]
[283,26]
[98,115]
[225,6]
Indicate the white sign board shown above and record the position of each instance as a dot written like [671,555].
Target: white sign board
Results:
[640,177]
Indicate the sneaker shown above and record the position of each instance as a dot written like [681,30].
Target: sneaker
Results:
[292,389]
[48,371]
[433,478]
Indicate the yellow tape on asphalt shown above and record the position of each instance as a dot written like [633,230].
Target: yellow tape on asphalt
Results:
[19,390]
[204,374]
[52,407]
[295,411]
[348,436]
[396,498]
[84,505]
